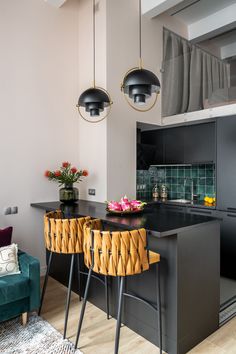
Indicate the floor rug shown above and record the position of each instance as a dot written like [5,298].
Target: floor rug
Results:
[37,337]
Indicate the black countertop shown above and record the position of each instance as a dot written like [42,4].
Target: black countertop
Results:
[159,222]
[194,204]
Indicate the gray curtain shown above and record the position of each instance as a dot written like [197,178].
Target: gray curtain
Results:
[190,75]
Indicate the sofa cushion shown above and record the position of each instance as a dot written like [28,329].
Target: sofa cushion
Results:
[9,260]
[5,236]
[13,287]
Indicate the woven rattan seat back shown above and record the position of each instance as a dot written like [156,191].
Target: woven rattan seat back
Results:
[116,253]
[63,235]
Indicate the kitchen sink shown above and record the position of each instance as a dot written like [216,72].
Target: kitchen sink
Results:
[183,201]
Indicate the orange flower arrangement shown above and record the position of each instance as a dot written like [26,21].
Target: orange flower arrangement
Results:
[66,174]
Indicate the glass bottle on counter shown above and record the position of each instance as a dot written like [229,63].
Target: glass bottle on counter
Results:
[155,192]
[163,192]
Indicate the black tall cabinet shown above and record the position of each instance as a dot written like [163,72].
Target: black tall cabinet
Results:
[226,163]
[226,192]
[228,244]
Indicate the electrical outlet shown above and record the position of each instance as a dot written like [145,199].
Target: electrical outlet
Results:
[10,210]
[91,191]
[7,211]
[14,210]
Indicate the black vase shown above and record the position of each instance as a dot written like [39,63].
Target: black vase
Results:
[69,194]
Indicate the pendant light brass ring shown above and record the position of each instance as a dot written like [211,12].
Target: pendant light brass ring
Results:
[108,111]
[126,98]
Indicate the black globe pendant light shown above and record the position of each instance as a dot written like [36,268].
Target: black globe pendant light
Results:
[140,84]
[93,101]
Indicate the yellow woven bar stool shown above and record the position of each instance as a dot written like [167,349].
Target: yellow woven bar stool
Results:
[119,254]
[65,236]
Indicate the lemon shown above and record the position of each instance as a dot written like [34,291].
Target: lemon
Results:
[210,200]
[206,199]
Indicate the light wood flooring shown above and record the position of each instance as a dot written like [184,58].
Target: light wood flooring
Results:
[97,336]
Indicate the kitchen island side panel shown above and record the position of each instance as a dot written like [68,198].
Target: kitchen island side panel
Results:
[198,284]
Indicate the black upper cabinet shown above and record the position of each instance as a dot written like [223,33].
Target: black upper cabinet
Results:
[200,143]
[174,145]
[145,156]
[226,163]
[154,138]
[184,144]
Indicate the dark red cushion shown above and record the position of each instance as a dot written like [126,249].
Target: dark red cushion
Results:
[5,236]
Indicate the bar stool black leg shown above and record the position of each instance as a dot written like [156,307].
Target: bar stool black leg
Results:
[83,307]
[118,323]
[45,282]
[159,307]
[79,276]
[68,294]
[118,284]
[107,297]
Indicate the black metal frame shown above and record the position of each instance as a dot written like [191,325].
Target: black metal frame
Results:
[122,293]
[156,308]
[85,293]
[104,282]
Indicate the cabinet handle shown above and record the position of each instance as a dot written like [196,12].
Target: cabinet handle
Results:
[200,211]
[231,209]
[232,215]
[174,208]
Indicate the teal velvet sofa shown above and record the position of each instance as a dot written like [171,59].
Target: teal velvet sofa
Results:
[20,293]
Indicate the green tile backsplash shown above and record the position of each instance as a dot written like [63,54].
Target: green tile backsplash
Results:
[178,181]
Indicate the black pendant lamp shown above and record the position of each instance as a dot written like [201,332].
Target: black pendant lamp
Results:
[140,84]
[95,99]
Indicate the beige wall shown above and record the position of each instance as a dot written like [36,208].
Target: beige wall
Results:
[46,62]
[108,149]
[38,119]
[122,54]
[92,141]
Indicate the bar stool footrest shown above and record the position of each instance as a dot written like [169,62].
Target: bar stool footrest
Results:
[140,299]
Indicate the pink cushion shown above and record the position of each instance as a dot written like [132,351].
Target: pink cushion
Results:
[5,236]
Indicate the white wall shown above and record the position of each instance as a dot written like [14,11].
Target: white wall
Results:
[38,119]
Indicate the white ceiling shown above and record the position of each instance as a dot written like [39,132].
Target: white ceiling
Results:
[206,20]
[196,10]
[211,21]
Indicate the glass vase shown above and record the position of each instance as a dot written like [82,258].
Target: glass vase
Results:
[69,194]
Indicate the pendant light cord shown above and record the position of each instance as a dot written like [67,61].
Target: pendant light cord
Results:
[94,72]
[140,35]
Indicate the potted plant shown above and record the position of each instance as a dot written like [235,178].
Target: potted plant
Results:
[67,176]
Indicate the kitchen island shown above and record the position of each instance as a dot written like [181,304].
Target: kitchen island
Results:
[190,273]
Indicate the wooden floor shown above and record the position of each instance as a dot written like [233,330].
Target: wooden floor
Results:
[97,336]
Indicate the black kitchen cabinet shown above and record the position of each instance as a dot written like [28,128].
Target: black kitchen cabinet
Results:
[226,163]
[190,144]
[228,244]
[199,143]
[145,156]
[173,139]
[202,211]
[154,138]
